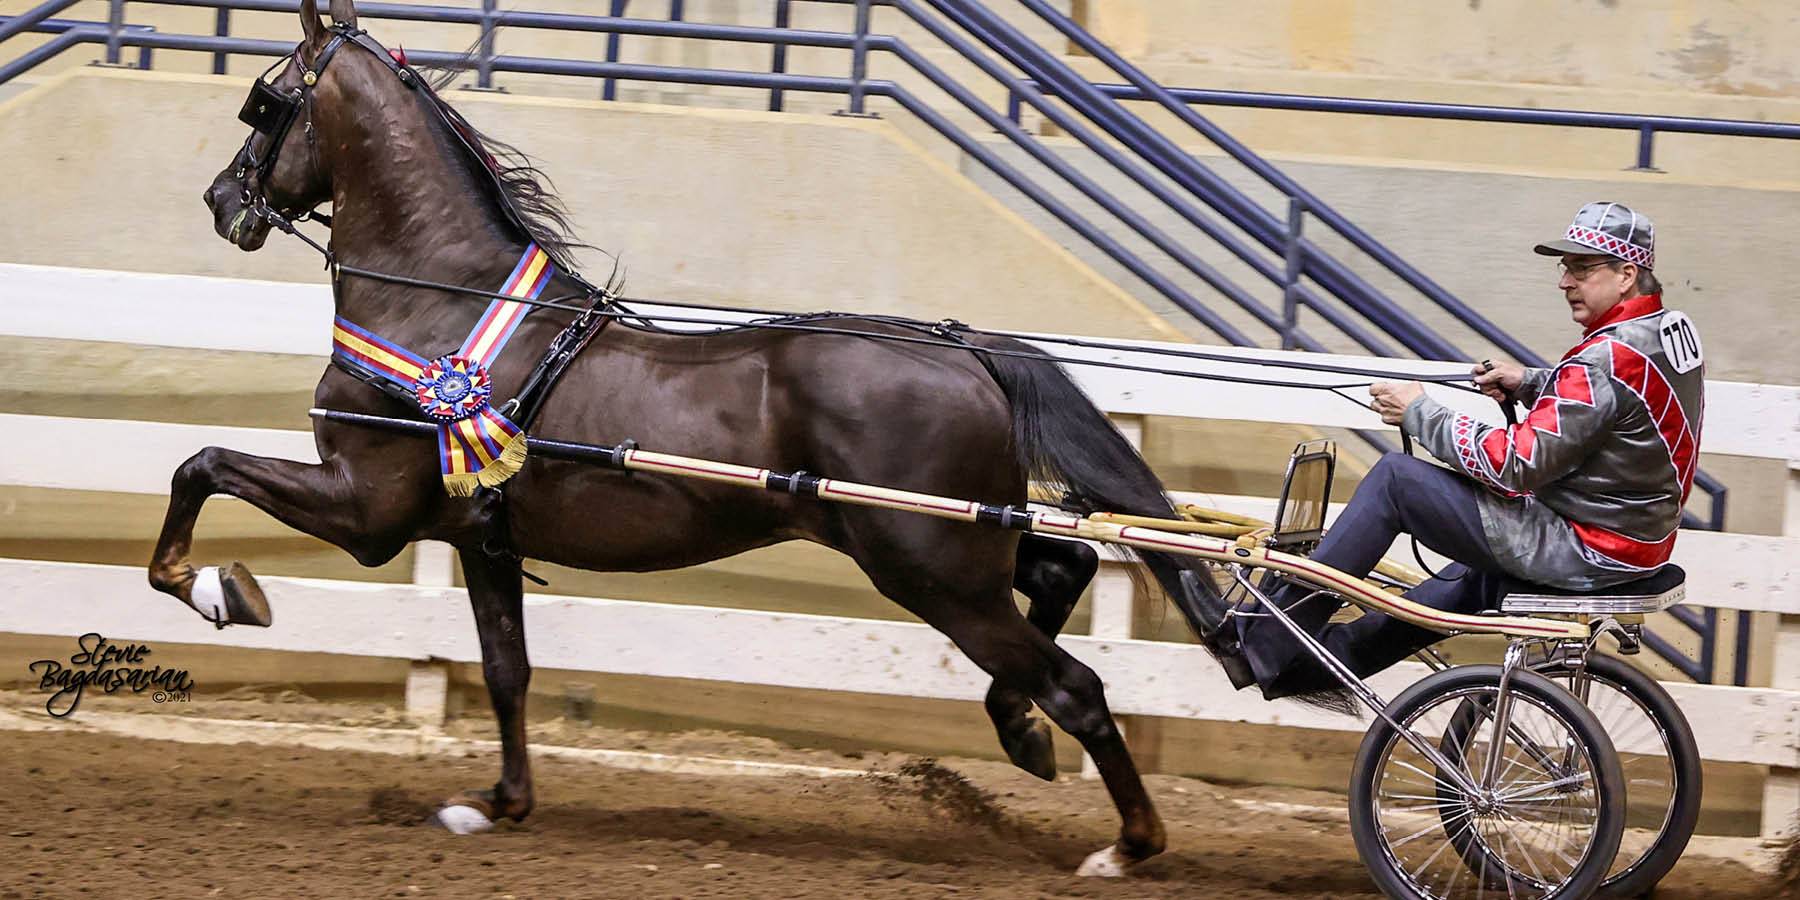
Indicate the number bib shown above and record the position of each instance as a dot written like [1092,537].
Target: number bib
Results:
[1680,342]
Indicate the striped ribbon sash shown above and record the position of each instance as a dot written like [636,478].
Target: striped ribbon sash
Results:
[477,446]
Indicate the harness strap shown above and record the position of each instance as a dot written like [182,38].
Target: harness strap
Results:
[564,348]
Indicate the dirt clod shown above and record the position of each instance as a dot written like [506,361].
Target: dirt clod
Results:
[395,806]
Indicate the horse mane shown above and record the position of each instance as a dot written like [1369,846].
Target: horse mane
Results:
[507,171]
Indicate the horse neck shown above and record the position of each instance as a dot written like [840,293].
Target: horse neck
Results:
[404,204]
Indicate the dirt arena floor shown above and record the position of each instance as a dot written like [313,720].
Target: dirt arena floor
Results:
[88,814]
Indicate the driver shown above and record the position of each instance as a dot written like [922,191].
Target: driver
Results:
[1585,493]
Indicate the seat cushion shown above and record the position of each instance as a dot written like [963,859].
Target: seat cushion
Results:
[1666,579]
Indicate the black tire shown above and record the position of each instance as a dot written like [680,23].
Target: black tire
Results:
[1638,868]
[1636,878]
[1444,693]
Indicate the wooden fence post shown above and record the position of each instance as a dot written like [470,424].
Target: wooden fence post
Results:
[1781,792]
[428,680]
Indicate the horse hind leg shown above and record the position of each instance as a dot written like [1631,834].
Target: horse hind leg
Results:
[1051,573]
[1024,660]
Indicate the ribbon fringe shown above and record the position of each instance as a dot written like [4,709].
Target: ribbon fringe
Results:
[508,464]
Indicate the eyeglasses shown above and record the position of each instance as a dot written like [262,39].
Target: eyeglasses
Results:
[1580,271]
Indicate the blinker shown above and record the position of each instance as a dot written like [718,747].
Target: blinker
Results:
[267,109]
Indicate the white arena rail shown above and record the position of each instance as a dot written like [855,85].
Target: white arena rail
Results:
[428,621]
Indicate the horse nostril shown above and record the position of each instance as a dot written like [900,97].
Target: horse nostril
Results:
[210,195]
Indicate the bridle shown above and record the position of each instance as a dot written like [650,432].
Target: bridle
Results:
[271,113]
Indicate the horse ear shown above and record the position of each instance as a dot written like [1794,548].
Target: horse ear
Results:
[343,12]
[309,22]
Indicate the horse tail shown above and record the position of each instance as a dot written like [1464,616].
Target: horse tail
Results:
[1062,439]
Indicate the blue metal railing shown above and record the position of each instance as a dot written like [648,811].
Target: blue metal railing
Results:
[1295,258]
[69,33]
[1647,127]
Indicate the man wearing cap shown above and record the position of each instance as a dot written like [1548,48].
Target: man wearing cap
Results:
[1586,492]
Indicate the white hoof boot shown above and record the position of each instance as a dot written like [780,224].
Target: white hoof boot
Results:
[208,595]
[459,819]
[229,596]
[1108,863]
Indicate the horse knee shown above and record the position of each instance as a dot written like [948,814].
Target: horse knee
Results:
[197,471]
[1077,703]
[1078,563]
[1050,566]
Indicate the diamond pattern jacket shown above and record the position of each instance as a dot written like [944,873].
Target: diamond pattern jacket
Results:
[1587,490]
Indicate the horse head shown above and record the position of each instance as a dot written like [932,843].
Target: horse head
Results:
[305,114]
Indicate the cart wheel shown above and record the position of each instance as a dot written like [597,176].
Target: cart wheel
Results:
[1548,827]
[1656,752]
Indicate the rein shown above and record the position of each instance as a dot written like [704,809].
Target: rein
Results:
[272,113]
[612,307]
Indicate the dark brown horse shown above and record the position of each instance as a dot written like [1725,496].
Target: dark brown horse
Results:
[410,197]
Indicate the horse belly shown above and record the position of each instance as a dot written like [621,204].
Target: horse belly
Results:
[576,515]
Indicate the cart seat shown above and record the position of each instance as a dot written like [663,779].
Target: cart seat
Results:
[1655,593]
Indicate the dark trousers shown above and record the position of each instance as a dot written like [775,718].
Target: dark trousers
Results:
[1401,495]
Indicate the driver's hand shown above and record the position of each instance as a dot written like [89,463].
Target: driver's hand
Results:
[1393,397]
[1498,380]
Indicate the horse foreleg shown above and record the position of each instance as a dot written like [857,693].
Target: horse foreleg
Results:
[315,499]
[496,593]
[1051,574]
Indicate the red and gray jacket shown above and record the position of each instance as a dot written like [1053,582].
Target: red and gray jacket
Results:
[1587,490]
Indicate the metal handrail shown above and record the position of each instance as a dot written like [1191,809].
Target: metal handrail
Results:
[27,20]
[1262,224]
[1647,126]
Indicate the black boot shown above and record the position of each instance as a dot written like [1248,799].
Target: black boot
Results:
[1207,612]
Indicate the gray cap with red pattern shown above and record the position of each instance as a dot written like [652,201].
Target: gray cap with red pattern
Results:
[1610,229]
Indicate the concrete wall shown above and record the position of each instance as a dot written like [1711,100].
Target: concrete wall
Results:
[1698,58]
[1476,143]
[746,208]
[1718,46]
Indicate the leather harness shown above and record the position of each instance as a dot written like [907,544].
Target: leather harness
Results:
[273,113]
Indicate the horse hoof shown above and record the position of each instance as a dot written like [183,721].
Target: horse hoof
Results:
[230,596]
[460,819]
[1108,863]
[1033,751]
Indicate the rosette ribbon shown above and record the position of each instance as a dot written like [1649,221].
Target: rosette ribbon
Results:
[477,446]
